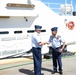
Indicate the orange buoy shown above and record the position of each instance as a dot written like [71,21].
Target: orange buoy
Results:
[70,25]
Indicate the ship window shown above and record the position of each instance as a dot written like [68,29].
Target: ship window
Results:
[17,32]
[4,32]
[31,31]
[43,30]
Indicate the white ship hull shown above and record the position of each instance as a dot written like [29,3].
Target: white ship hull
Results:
[16,24]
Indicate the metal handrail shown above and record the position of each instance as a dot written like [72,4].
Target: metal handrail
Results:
[49,4]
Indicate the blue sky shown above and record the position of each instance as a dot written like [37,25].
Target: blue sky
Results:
[61,2]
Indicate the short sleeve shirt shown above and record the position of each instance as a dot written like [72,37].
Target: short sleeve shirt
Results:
[56,41]
[35,40]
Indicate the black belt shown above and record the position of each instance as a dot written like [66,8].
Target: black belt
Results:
[37,47]
[57,48]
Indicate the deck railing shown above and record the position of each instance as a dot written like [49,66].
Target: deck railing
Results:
[61,9]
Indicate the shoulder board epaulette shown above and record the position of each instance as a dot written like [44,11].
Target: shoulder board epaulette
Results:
[51,36]
[58,36]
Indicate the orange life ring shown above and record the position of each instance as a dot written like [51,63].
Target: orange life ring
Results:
[70,25]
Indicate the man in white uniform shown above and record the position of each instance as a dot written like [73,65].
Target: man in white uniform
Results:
[36,50]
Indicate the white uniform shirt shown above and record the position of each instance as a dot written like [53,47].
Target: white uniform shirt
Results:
[35,40]
[56,41]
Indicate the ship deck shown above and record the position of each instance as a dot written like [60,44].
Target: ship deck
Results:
[24,66]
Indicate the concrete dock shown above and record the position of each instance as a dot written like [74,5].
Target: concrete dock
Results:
[21,66]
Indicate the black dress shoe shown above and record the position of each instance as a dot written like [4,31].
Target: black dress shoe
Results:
[42,73]
[53,72]
[61,73]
